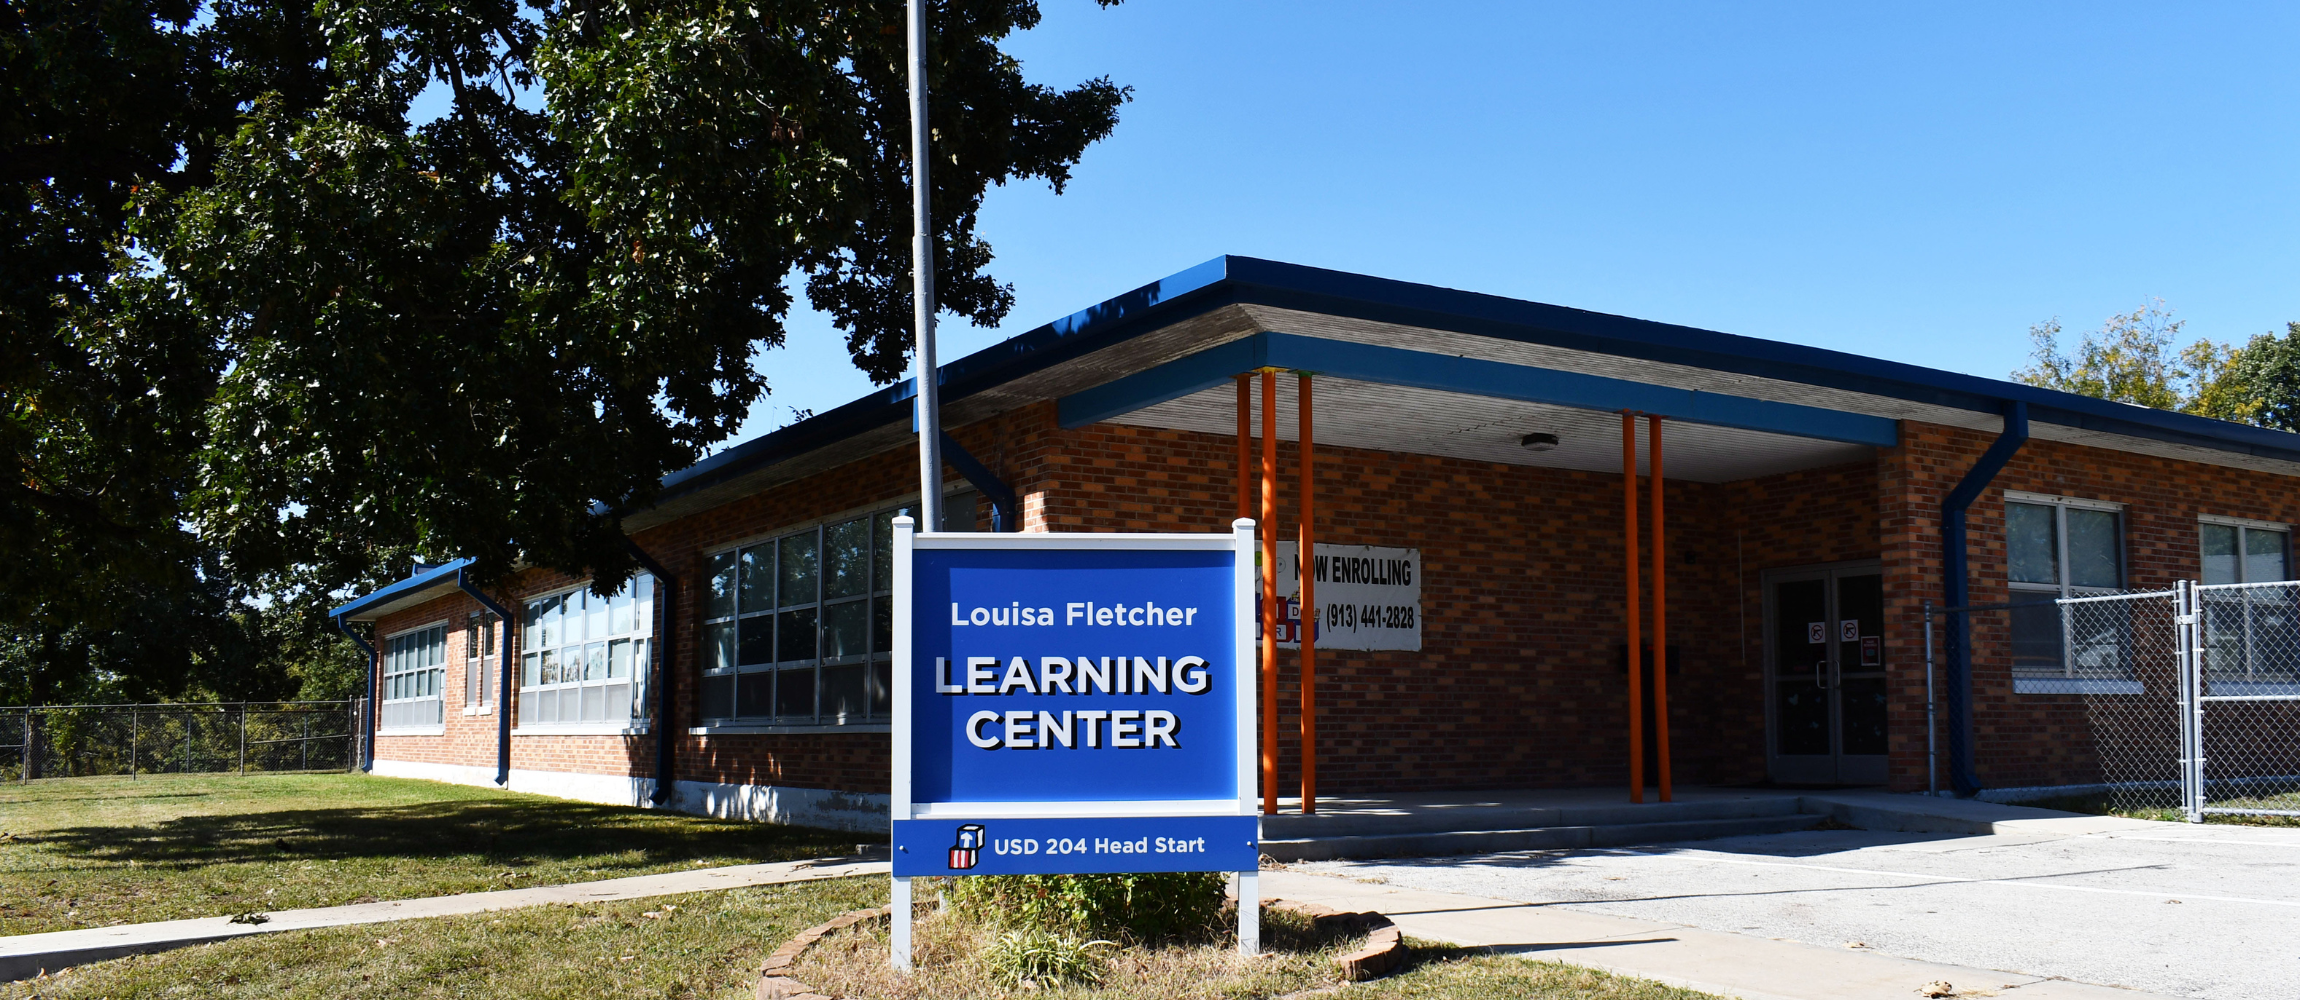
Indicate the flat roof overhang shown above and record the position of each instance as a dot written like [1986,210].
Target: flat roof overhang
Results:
[432,584]
[1700,377]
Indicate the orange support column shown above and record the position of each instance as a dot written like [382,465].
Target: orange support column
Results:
[1305,558]
[1269,591]
[1660,615]
[1246,446]
[1635,657]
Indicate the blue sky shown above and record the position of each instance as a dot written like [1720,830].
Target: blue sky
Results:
[1916,182]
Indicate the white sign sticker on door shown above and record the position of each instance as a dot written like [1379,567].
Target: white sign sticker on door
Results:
[1368,597]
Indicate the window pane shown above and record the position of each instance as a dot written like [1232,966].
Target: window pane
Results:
[2263,555]
[799,569]
[719,646]
[595,662]
[846,691]
[719,697]
[2218,541]
[797,629]
[844,626]
[758,569]
[795,692]
[758,640]
[595,609]
[2035,634]
[643,604]
[2031,548]
[754,694]
[720,587]
[619,617]
[882,551]
[882,624]
[619,658]
[571,618]
[846,559]
[882,688]
[2092,549]
[531,670]
[550,666]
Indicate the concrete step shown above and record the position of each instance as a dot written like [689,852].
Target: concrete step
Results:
[1378,819]
[1439,843]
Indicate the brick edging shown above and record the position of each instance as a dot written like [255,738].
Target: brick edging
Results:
[773,985]
[1384,950]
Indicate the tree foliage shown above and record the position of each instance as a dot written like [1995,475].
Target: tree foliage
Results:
[2135,358]
[294,292]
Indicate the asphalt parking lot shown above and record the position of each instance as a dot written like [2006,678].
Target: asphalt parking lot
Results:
[2202,911]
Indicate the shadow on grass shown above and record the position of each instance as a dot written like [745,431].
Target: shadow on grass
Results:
[513,833]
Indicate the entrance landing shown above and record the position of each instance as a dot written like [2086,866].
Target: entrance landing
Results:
[1411,824]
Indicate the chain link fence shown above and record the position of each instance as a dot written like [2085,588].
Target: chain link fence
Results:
[72,741]
[2120,655]
[2247,715]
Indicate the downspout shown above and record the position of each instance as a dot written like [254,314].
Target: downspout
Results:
[666,646]
[503,700]
[1003,515]
[367,730]
[1956,593]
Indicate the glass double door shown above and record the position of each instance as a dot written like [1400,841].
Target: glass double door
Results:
[1825,717]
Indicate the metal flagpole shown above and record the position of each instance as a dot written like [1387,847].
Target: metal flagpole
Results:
[922,285]
[925,372]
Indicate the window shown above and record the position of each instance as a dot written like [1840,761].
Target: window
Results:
[478,658]
[798,630]
[2249,632]
[2058,547]
[414,666]
[583,658]
[2236,551]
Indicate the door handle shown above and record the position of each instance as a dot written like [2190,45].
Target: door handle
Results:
[1820,676]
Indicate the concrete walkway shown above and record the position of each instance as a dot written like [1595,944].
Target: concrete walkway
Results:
[23,956]
[1733,965]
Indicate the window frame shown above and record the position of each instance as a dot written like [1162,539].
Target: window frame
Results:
[2244,526]
[479,665]
[876,660]
[389,673]
[2065,678]
[642,637]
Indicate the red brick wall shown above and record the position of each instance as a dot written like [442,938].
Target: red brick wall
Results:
[2027,739]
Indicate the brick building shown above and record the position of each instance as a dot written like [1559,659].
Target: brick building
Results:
[1803,494]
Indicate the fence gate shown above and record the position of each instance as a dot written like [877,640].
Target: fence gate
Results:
[2242,718]
[2121,656]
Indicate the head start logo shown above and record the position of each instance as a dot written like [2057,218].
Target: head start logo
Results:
[968,850]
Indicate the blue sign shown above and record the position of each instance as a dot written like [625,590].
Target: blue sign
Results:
[1073,703]
[1074,675]
[1075,846]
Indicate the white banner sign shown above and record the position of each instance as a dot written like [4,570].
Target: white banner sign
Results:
[1368,597]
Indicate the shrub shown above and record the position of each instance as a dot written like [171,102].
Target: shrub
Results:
[1035,959]
[1142,907]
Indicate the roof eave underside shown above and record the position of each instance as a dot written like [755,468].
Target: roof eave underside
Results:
[1235,297]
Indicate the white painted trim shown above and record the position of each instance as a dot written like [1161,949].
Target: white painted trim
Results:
[1242,597]
[439,730]
[806,729]
[2242,522]
[859,812]
[2075,685]
[905,544]
[1042,541]
[2018,496]
[580,729]
[442,623]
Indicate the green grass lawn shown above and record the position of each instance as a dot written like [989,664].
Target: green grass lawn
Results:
[708,948]
[2104,804]
[88,852]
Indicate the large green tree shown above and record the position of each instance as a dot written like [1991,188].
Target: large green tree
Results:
[295,292]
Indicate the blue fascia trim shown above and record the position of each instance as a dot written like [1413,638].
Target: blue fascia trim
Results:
[1233,280]
[1179,296]
[1294,286]
[447,572]
[1471,376]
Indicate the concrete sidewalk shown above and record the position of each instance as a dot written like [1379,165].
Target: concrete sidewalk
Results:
[25,955]
[1733,965]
